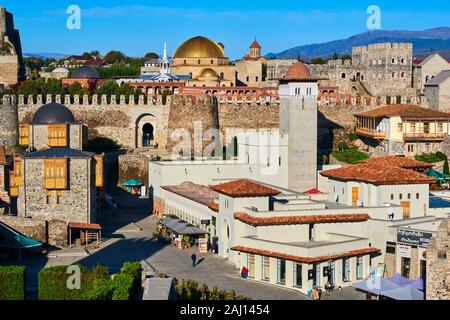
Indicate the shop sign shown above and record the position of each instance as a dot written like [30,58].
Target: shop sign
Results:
[415,238]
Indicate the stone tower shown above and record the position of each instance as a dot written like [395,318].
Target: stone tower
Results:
[298,127]
[12,67]
[9,123]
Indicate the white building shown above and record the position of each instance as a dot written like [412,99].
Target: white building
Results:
[427,70]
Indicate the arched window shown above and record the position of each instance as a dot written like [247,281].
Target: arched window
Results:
[393,74]
[343,76]
[199,61]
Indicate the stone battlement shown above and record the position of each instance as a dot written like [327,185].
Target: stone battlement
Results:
[383,46]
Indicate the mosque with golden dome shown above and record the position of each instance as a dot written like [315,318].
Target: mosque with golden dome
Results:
[205,62]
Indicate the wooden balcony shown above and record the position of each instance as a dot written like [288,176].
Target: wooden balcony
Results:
[423,136]
[371,134]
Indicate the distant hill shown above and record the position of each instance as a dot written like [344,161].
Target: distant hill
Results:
[45,55]
[436,40]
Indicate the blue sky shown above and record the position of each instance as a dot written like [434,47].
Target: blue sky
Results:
[138,26]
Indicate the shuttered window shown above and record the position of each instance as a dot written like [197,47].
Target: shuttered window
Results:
[55,174]
[24,135]
[98,172]
[57,135]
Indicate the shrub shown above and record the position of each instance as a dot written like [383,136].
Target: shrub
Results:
[103,289]
[431,157]
[133,269]
[351,156]
[52,282]
[192,290]
[353,136]
[446,168]
[101,272]
[123,287]
[12,283]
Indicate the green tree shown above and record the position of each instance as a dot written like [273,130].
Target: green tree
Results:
[335,56]
[446,167]
[76,88]
[114,57]
[151,55]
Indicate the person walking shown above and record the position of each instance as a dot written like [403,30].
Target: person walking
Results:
[194,259]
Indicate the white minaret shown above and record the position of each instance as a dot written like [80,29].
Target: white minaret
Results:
[298,127]
[165,64]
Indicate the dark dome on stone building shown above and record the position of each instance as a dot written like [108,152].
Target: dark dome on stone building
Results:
[53,113]
[85,72]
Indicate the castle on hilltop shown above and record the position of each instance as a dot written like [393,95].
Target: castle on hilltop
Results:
[12,68]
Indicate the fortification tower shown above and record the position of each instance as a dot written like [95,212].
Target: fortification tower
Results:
[298,127]
[9,123]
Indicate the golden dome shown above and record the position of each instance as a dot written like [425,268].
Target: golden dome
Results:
[199,47]
[208,73]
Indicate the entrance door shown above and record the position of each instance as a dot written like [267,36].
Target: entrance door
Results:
[406,209]
[406,266]
[355,196]
[147,135]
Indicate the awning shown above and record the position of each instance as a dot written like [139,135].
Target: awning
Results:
[133,183]
[10,238]
[436,174]
[86,226]
[404,293]
[399,279]
[181,227]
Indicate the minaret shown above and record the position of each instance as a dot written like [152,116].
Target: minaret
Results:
[298,127]
[165,64]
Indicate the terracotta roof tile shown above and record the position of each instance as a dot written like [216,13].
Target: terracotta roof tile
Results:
[401,162]
[289,257]
[406,112]
[378,175]
[255,45]
[214,207]
[294,220]
[244,188]
[196,192]
[2,156]
[80,225]
[298,70]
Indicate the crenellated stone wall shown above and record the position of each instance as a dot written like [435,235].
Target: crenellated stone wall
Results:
[8,121]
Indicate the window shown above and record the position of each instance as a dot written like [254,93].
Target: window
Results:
[316,275]
[24,135]
[417,196]
[257,79]
[212,61]
[409,196]
[410,148]
[346,270]
[98,171]
[440,127]
[392,197]
[59,197]
[265,268]
[55,173]
[400,127]
[57,135]
[413,127]
[297,275]
[343,76]
[248,79]
[359,268]
[251,265]
[199,61]
[331,269]
[53,197]
[281,279]
[400,196]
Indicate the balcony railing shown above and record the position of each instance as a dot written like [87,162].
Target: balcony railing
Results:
[371,134]
[423,136]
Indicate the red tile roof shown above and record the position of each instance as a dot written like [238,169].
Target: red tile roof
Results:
[214,207]
[289,257]
[196,192]
[401,162]
[2,156]
[298,70]
[255,45]
[406,112]
[378,175]
[295,220]
[244,188]
[79,225]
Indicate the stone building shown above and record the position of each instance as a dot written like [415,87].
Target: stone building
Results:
[427,70]
[4,196]
[252,69]
[87,76]
[383,69]
[403,130]
[12,68]
[437,91]
[438,265]
[59,181]
[277,68]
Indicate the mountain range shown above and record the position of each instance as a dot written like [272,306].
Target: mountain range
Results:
[425,42]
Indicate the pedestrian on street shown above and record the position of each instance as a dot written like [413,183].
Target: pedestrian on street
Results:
[194,259]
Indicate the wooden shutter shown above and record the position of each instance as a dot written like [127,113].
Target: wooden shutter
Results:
[355,196]
[24,135]
[406,209]
[55,174]
[98,171]
[57,135]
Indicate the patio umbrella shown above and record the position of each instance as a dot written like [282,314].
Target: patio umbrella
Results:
[418,284]
[132,183]
[404,293]
[399,279]
[377,287]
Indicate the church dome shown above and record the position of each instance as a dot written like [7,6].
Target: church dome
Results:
[53,113]
[208,73]
[85,72]
[199,47]
[60,70]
